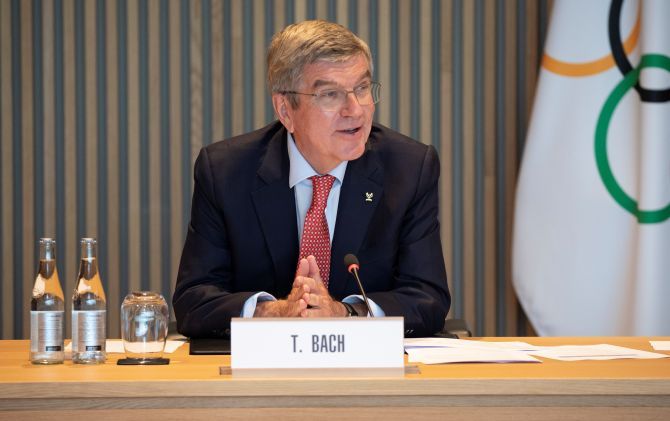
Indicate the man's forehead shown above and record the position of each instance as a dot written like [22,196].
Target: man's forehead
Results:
[326,82]
[323,72]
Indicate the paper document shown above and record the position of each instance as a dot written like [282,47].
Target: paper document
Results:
[593,352]
[115,346]
[660,345]
[445,350]
[467,343]
[466,355]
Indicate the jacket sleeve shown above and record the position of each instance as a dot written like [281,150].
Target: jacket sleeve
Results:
[203,301]
[420,292]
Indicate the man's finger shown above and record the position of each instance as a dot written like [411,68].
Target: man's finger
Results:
[314,269]
[306,282]
[312,312]
[303,268]
[295,308]
[313,300]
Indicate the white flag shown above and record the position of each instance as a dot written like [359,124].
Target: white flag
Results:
[591,247]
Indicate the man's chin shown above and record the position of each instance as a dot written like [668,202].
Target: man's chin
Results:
[356,153]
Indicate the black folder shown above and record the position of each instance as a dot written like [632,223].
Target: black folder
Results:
[209,346]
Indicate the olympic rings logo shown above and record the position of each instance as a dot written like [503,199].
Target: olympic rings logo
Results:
[613,187]
[631,78]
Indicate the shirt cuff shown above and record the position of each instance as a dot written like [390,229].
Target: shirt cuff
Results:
[250,305]
[354,299]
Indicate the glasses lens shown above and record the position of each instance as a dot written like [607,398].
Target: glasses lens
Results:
[363,94]
[334,99]
[330,99]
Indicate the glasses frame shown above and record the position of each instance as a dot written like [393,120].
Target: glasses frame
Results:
[373,86]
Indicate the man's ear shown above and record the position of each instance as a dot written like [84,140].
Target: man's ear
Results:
[283,110]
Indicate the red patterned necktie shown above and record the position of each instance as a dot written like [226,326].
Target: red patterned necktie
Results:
[315,235]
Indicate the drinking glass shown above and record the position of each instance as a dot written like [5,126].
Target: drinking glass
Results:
[144,325]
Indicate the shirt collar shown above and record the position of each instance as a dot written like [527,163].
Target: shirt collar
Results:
[301,170]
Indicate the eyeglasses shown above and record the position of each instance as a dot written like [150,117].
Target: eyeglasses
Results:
[334,99]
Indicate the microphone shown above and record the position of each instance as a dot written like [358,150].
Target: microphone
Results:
[351,262]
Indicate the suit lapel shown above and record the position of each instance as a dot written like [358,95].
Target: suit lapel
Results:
[361,192]
[274,202]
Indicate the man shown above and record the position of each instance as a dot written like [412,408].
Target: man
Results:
[260,242]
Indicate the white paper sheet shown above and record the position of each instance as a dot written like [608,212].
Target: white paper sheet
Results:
[467,343]
[444,355]
[445,350]
[660,345]
[593,352]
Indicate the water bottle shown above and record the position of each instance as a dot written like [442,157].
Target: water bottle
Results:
[89,309]
[47,308]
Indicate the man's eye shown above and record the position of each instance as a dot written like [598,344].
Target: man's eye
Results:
[362,89]
[330,94]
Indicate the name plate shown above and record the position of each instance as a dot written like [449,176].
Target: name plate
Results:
[325,346]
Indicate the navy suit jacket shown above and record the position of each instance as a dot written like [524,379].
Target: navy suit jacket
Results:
[243,235]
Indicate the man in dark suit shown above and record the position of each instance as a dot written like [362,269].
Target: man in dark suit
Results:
[259,245]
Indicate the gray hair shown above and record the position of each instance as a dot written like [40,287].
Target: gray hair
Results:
[304,43]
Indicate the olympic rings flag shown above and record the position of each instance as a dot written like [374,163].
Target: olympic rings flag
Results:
[591,244]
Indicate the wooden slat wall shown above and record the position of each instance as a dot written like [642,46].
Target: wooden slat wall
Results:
[105,104]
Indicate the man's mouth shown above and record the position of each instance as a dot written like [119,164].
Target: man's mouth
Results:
[350,131]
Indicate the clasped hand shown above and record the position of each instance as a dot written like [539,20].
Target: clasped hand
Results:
[308,297]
